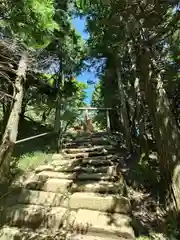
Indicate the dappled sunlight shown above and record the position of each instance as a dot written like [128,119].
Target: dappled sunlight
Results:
[80,191]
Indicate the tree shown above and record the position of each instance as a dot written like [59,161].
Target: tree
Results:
[18,25]
[136,38]
[98,101]
[10,134]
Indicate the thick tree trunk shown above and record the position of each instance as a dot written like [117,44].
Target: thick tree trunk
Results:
[140,118]
[58,121]
[11,130]
[139,115]
[6,111]
[124,113]
[164,126]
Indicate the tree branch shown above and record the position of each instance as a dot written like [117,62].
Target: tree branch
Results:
[3,95]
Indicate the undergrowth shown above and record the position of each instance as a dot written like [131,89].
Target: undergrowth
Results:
[153,221]
[30,161]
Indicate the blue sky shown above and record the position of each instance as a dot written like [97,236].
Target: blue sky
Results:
[79,24]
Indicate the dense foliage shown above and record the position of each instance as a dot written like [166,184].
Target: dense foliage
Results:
[40,55]
[134,47]
[139,43]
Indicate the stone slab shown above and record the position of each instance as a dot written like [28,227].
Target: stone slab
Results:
[80,221]
[87,169]
[44,168]
[94,201]
[102,223]
[87,149]
[93,161]
[76,176]
[36,217]
[63,185]
[51,185]
[78,200]
[42,198]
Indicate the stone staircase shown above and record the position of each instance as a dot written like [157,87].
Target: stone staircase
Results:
[79,195]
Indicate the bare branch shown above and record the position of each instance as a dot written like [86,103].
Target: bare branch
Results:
[3,95]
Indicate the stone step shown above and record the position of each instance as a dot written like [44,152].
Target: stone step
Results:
[90,201]
[98,187]
[54,185]
[103,152]
[80,221]
[93,161]
[88,142]
[95,237]
[77,176]
[13,233]
[88,149]
[110,170]
[63,156]
[63,185]
[94,135]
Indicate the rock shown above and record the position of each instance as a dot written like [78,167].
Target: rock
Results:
[93,201]
[44,168]
[57,185]
[50,185]
[76,176]
[88,149]
[80,221]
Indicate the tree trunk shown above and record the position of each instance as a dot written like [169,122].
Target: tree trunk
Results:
[164,125]
[6,111]
[58,113]
[11,130]
[140,117]
[124,113]
[23,111]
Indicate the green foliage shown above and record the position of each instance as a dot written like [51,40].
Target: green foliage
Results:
[146,172]
[30,161]
[20,16]
[41,98]
[98,101]
[71,104]
[172,227]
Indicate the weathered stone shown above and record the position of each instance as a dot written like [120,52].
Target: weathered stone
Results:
[57,185]
[102,223]
[95,237]
[66,163]
[13,233]
[35,217]
[87,149]
[99,187]
[79,154]
[77,200]
[44,168]
[59,156]
[93,201]
[93,161]
[42,198]
[57,218]
[51,185]
[76,176]
[110,170]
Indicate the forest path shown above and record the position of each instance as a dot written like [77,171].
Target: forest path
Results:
[79,195]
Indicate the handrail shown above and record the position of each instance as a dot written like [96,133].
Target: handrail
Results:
[48,133]
[33,137]
[94,108]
